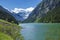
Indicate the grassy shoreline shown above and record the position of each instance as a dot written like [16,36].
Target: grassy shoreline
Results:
[11,29]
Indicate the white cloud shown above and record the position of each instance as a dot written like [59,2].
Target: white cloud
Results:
[17,10]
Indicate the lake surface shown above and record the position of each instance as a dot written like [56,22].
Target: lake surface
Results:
[40,31]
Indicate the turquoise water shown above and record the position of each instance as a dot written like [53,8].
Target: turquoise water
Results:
[38,31]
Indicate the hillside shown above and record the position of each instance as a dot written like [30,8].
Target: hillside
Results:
[5,37]
[11,30]
[7,16]
[52,16]
[42,11]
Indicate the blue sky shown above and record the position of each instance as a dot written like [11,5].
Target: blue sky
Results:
[11,4]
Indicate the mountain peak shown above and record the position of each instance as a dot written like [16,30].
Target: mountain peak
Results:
[17,10]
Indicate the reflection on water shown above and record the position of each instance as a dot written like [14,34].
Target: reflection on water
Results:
[39,31]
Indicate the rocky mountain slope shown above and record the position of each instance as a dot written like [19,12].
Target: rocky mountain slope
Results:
[43,9]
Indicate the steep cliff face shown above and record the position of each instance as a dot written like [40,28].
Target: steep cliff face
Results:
[42,9]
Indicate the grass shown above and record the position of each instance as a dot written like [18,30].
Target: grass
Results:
[11,29]
[5,37]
